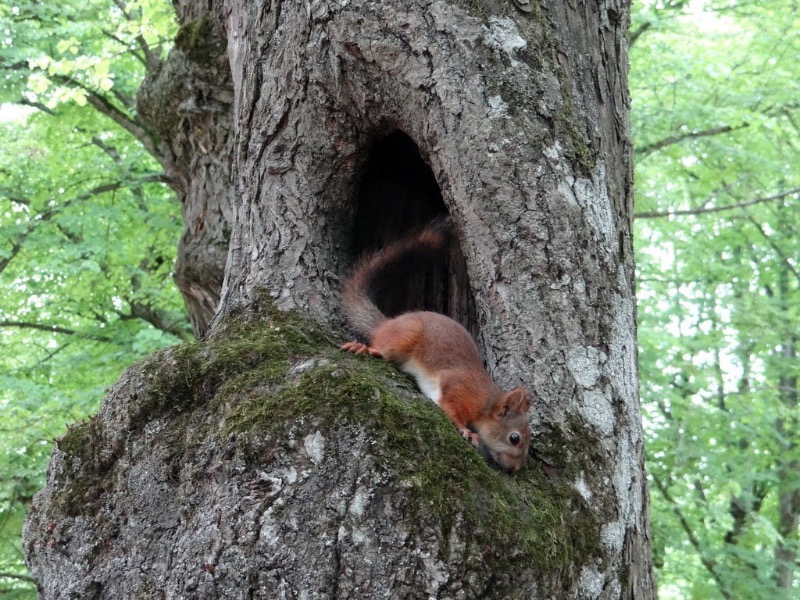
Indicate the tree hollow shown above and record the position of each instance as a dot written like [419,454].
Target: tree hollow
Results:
[398,193]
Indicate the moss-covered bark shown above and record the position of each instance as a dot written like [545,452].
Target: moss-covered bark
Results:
[240,407]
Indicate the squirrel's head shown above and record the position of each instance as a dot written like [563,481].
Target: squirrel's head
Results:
[505,435]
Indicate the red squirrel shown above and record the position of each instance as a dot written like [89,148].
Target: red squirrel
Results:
[436,351]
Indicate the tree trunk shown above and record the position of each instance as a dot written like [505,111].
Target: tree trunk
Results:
[788,465]
[262,463]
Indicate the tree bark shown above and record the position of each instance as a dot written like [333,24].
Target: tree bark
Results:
[185,103]
[522,120]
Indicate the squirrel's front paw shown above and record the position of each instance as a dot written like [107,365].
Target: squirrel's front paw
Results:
[470,436]
[359,348]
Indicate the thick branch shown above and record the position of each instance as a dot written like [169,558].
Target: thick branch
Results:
[124,98]
[101,103]
[105,107]
[157,318]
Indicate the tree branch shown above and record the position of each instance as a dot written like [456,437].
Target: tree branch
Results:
[39,326]
[50,355]
[709,563]
[694,134]
[100,102]
[778,250]
[740,508]
[17,576]
[160,319]
[37,105]
[157,318]
[673,6]
[105,107]
[636,33]
[109,150]
[54,329]
[19,239]
[122,43]
[714,209]
[151,59]
[124,98]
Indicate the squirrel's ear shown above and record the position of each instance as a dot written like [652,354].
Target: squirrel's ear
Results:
[517,401]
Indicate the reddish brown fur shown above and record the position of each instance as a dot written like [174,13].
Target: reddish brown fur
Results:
[443,358]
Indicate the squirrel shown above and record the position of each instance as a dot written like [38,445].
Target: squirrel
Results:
[436,350]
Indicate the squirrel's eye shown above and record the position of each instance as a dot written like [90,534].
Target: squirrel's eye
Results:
[514,438]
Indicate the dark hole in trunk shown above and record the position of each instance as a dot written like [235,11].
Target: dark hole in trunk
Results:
[399,193]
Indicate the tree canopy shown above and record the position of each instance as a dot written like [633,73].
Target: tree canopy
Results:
[715,88]
[88,231]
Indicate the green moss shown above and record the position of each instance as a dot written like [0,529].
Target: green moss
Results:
[242,354]
[267,373]
[532,518]
[87,468]
[193,34]
[544,521]
[505,8]
[476,8]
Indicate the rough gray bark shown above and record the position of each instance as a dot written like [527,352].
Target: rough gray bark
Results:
[524,122]
[185,102]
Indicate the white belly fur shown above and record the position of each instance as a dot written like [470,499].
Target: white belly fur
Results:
[428,384]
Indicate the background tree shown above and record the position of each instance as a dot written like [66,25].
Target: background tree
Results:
[715,90]
[65,54]
[87,232]
[319,93]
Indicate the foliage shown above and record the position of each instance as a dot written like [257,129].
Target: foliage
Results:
[87,231]
[715,119]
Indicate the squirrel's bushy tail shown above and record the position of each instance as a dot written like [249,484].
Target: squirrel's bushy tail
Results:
[376,273]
